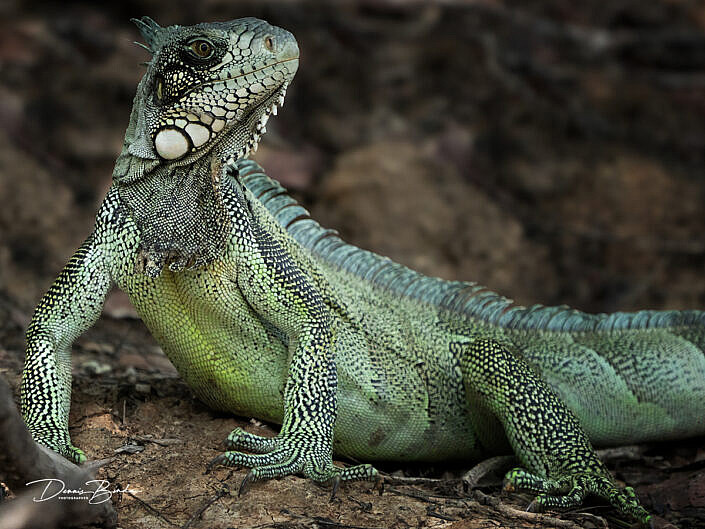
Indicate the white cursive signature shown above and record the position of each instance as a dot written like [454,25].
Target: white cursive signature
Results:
[57,488]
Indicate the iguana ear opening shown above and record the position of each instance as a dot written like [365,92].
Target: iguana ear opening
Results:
[149,30]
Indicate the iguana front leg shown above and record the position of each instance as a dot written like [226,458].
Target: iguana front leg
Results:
[72,305]
[561,464]
[277,289]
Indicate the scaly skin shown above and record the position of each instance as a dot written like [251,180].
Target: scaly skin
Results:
[266,314]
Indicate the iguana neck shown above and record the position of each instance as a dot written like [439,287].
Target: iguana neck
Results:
[179,214]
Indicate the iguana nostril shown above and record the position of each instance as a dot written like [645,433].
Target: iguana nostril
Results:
[286,46]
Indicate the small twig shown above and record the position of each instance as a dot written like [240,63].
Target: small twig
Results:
[161,442]
[326,522]
[129,449]
[597,520]
[151,509]
[430,512]
[404,480]
[365,506]
[199,512]
[631,452]
[472,477]
[412,494]
[507,510]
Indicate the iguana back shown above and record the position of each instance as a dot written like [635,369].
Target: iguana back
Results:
[628,376]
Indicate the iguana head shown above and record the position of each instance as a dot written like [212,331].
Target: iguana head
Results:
[205,98]
[210,86]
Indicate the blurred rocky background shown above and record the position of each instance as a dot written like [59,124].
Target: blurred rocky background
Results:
[553,151]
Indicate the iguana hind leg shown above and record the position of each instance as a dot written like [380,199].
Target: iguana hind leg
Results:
[545,435]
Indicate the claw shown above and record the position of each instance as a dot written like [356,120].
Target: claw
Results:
[379,484]
[245,485]
[217,460]
[336,486]
[533,507]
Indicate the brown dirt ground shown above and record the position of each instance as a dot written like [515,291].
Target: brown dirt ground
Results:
[129,406]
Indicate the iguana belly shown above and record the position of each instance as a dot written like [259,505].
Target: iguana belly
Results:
[233,362]
[217,344]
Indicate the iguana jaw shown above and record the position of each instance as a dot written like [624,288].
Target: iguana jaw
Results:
[260,119]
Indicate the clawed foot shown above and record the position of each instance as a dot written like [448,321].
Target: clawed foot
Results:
[570,491]
[64,449]
[74,454]
[284,456]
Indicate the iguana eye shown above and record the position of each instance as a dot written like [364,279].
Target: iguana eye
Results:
[202,48]
[269,43]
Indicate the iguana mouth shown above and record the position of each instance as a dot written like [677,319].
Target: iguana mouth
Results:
[270,106]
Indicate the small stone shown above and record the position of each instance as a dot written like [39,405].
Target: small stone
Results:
[145,389]
[96,368]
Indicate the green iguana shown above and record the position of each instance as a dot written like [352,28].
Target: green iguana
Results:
[266,314]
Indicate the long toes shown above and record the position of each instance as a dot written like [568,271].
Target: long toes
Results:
[267,472]
[520,479]
[355,473]
[231,459]
[73,454]
[625,500]
[573,498]
[359,473]
[327,472]
[277,470]
[239,439]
